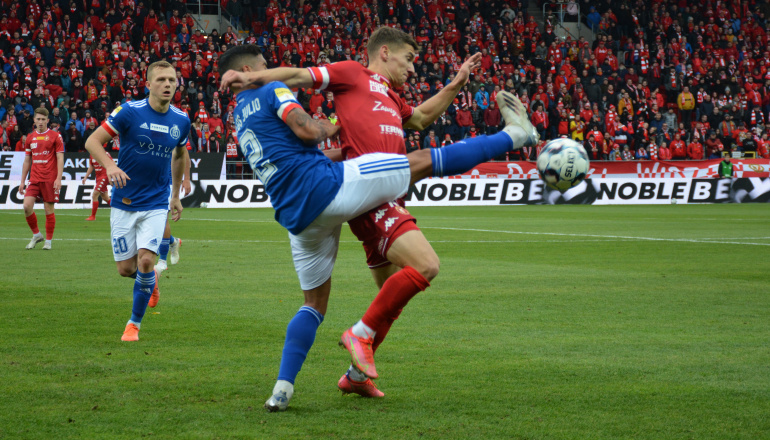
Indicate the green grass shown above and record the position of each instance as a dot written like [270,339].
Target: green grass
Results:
[546,322]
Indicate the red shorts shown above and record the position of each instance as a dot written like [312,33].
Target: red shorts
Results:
[379,228]
[42,191]
[101,185]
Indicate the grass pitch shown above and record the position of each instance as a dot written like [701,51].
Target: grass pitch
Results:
[546,322]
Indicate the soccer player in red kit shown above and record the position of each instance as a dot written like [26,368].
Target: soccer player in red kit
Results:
[44,162]
[100,190]
[373,116]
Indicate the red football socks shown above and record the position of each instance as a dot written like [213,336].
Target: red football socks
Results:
[50,224]
[94,207]
[32,222]
[393,297]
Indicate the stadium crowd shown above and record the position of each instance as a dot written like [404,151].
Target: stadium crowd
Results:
[663,80]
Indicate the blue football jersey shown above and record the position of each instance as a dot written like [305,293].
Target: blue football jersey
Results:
[147,140]
[300,180]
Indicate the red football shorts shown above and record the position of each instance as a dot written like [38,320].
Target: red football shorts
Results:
[42,191]
[379,228]
[101,185]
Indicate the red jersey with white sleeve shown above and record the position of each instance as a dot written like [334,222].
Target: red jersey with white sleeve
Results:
[364,98]
[99,171]
[43,148]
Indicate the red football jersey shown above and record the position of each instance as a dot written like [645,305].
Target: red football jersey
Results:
[43,148]
[99,170]
[365,100]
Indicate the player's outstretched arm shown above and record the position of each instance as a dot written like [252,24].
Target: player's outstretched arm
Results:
[94,145]
[427,112]
[311,132]
[293,77]
[180,161]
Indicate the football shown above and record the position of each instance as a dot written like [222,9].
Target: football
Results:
[562,164]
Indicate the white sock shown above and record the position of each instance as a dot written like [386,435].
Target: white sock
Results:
[285,386]
[137,324]
[38,235]
[356,375]
[363,331]
[48,242]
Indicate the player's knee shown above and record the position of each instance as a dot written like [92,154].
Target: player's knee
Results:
[125,271]
[146,262]
[429,268]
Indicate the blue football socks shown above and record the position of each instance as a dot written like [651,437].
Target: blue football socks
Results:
[163,249]
[143,287]
[466,154]
[300,335]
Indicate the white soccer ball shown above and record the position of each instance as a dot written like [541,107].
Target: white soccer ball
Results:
[562,164]
[204,205]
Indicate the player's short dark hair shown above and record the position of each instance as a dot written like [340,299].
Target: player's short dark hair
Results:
[391,37]
[238,56]
[41,111]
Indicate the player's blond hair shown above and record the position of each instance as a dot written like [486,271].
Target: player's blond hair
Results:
[162,64]
[393,38]
[41,111]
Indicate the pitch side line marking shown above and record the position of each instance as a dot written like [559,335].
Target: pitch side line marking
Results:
[616,237]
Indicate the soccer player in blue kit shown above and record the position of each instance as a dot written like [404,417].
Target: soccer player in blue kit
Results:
[312,196]
[153,155]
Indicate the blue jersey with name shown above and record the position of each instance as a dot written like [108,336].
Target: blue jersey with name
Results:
[300,180]
[147,140]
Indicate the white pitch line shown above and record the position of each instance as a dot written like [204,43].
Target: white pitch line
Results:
[615,237]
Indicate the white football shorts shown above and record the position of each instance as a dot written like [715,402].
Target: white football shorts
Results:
[369,181]
[134,230]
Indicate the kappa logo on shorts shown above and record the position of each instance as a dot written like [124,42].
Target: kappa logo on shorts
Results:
[389,222]
[379,214]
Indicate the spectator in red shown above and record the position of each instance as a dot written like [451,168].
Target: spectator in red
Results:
[695,150]
[492,118]
[664,153]
[464,120]
[678,148]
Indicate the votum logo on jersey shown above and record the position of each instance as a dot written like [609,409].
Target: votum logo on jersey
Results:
[376,87]
[154,149]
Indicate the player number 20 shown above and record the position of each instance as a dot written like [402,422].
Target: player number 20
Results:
[253,151]
[119,245]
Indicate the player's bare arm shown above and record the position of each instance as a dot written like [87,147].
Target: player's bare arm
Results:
[59,171]
[311,132]
[24,173]
[88,172]
[180,161]
[95,146]
[293,77]
[186,186]
[427,112]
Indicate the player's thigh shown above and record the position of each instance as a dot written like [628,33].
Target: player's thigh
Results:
[149,229]
[412,249]
[314,252]
[29,202]
[123,231]
[370,180]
